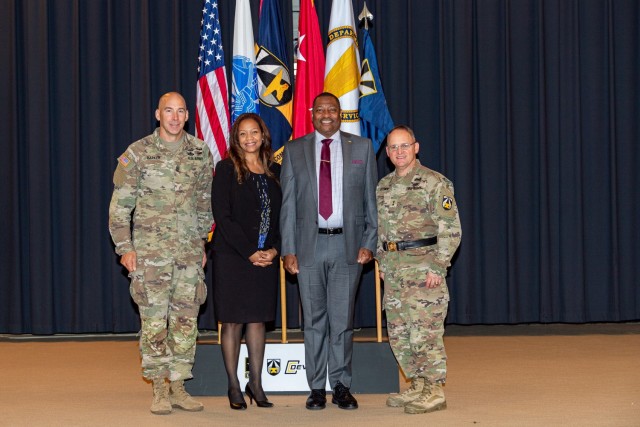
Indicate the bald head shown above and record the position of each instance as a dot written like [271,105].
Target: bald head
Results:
[171,96]
[172,114]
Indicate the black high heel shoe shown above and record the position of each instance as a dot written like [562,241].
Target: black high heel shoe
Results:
[237,405]
[260,403]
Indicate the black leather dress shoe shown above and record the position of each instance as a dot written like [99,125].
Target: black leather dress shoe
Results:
[343,398]
[317,399]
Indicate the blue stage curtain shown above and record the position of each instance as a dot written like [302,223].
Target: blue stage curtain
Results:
[531,108]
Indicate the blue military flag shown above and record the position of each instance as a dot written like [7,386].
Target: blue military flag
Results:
[375,119]
[275,88]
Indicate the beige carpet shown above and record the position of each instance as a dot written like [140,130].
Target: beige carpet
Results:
[574,380]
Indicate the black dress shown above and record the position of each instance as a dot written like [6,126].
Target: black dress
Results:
[247,219]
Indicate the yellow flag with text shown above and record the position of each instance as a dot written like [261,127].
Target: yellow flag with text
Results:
[342,69]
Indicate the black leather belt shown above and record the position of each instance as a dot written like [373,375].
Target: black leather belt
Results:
[401,246]
[329,230]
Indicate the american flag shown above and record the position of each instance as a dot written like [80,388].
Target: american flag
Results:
[212,105]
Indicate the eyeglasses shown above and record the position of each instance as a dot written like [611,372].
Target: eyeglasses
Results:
[402,147]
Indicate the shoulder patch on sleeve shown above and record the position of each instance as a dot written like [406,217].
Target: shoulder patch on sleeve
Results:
[446,204]
[125,161]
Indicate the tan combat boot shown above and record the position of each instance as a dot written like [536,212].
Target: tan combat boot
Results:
[160,404]
[179,398]
[409,395]
[431,399]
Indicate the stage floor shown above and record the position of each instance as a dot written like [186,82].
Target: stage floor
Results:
[526,375]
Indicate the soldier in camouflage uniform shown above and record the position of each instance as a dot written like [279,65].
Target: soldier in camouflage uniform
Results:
[164,180]
[418,233]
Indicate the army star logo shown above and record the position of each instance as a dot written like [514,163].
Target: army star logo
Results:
[273,366]
[447,202]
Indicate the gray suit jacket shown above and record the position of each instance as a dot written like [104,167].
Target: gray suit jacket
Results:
[299,213]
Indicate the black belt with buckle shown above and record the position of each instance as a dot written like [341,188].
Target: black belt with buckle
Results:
[401,246]
[330,231]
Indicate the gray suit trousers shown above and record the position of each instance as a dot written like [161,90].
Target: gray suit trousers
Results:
[327,292]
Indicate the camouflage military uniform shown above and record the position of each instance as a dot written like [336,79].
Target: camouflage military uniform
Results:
[169,195]
[416,206]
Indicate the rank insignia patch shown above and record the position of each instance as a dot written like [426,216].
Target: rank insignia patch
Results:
[447,202]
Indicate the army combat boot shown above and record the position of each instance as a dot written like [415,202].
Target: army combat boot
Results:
[409,395]
[179,398]
[160,404]
[431,399]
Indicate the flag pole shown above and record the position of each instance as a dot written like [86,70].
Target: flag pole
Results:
[366,15]
[378,303]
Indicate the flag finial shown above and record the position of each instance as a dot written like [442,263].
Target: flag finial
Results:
[366,15]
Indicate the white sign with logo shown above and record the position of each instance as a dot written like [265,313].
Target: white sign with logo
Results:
[283,368]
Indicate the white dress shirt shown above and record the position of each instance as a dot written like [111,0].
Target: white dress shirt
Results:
[335,220]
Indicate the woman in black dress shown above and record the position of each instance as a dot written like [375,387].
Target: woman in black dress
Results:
[246,199]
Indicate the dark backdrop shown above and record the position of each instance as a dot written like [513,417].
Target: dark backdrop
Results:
[530,107]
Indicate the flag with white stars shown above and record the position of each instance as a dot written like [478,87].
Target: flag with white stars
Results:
[212,99]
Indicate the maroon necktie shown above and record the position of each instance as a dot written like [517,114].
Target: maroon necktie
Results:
[325,207]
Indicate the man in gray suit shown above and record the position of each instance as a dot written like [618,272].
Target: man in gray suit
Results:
[329,227]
